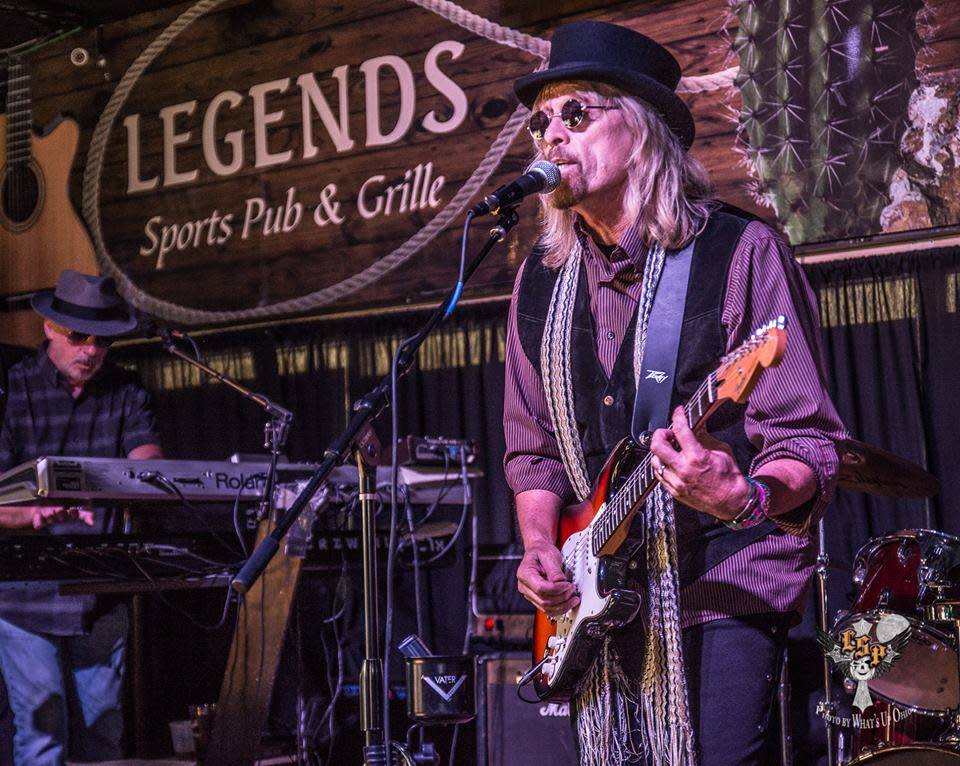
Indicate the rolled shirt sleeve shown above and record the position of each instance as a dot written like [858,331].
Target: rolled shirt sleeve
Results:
[789,414]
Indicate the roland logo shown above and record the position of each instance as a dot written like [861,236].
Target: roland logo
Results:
[237,481]
[555,710]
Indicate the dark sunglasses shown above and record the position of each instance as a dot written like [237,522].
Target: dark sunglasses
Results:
[571,115]
[75,338]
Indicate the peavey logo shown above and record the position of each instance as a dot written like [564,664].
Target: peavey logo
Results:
[555,710]
[860,657]
[438,682]
[656,375]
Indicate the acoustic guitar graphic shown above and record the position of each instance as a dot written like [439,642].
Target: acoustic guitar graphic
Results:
[40,231]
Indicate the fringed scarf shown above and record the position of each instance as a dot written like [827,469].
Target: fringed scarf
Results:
[607,699]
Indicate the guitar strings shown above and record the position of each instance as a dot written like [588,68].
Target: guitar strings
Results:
[614,514]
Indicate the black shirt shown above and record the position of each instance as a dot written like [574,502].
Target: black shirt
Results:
[111,417]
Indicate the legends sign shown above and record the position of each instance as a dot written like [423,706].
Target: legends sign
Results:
[270,151]
[247,172]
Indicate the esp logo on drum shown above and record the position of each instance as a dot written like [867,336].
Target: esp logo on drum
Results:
[860,657]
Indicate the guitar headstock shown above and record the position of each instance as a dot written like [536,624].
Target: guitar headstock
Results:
[740,369]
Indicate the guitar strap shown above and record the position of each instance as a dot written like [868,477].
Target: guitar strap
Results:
[655,377]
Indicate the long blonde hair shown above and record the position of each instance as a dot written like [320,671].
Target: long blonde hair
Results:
[668,191]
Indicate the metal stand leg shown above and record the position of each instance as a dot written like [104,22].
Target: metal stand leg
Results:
[827,705]
[783,696]
[371,672]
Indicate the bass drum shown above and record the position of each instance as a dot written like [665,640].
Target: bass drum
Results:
[909,755]
[924,678]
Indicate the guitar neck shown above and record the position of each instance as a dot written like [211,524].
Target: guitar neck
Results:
[641,480]
[19,115]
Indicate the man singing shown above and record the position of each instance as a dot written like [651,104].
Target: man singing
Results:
[62,656]
[723,554]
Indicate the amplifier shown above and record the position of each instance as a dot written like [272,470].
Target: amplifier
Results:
[434,450]
[511,732]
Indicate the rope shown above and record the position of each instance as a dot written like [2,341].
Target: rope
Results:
[478,179]
[708,82]
[486,28]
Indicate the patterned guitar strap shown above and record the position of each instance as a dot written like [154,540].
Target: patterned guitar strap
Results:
[622,719]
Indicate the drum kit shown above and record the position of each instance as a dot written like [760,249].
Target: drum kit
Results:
[906,609]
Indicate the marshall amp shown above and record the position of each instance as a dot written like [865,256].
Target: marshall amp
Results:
[511,732]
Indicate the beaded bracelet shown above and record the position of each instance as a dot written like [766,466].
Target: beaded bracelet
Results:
[755,511]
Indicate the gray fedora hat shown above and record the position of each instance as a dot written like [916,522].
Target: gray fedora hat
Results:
[619,56]
[85,304]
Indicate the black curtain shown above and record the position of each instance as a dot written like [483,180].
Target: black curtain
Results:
[891,337]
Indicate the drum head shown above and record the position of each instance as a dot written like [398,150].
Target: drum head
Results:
[924,678]
[909,755]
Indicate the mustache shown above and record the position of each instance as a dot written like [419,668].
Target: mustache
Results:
[557,158]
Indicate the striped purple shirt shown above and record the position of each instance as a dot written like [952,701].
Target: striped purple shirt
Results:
[789,414]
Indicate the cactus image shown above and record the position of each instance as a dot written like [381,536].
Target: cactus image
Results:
[825,86]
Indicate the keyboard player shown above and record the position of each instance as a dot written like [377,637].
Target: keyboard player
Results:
[62,656]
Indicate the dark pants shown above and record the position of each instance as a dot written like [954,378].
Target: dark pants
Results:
[732,668]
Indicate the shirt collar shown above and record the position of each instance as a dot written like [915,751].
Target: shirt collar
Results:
[627,256]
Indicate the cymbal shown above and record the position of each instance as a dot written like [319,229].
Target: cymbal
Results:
[866,468]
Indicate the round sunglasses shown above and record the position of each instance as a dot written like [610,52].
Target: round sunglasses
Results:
[571,115]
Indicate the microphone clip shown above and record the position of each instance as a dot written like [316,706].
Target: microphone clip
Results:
[507,218]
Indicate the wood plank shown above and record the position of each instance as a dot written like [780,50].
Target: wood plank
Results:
[253,661]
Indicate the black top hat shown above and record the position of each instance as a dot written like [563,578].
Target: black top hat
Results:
[86,304]
[615,55]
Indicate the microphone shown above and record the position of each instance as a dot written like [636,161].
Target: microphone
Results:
[542,178]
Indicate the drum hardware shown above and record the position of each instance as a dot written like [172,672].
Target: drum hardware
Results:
[923,753]
[908,579]
[826,708]
[903,552]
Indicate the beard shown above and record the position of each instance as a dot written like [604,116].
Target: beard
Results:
[567,194]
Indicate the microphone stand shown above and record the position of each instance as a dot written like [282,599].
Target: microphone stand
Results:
[275,430]
[357,438]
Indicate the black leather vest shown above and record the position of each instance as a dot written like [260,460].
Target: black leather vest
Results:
[703,541]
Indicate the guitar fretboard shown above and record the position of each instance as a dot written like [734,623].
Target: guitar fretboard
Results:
[19,115]
[641,480]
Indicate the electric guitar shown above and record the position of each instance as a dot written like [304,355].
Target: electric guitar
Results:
[40,232]
[592,532]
